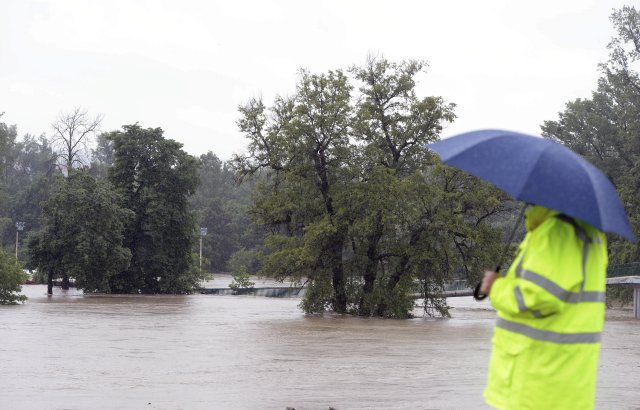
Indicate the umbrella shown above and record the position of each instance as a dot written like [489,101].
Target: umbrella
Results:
[539,171]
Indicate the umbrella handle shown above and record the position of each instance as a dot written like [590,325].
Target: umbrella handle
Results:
[477,294]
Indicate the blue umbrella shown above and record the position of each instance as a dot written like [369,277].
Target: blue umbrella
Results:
[539,171]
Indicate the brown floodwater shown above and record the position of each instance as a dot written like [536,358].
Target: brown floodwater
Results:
[241,352]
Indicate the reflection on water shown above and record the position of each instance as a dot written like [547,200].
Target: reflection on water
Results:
[216,352]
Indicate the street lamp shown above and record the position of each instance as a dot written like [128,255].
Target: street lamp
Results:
[19,227]
[203,232]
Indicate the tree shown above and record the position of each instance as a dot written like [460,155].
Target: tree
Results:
[353,202]
[394,125]
[11,280]
[605,129]
[102,156]
[155,179]
[72,132]
[306,142]
[82,233]
[241,279]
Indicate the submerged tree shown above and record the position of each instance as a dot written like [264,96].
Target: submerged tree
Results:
[354,203]
[155,179]
[81,235]
[305,146]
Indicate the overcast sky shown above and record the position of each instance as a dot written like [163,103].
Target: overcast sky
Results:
[185,66]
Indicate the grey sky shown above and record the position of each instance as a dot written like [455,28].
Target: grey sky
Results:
[186,65]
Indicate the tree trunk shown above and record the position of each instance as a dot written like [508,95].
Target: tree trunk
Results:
[65,282]
[50,282]
[391,284]
[340,303]
[337,280]
[370,270]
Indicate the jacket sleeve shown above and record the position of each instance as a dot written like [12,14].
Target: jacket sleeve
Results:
[533,289]
[516,296]
[502,295]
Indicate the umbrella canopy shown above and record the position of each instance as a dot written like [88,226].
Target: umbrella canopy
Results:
[539,171]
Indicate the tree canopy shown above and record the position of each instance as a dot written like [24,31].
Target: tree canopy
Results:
[155,178]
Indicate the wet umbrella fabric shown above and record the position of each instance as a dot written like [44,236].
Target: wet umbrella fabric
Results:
[539,171]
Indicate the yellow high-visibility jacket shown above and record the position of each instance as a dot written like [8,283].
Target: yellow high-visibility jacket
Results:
[551,308]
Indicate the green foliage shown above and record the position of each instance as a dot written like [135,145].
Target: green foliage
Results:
[39,277]
[242,263]
[605,128]
[249,259]
[11,279]
[318,296]
[222,205]
[8,134]
[352,201]
[82,232]
[26,166]
[305,141]
[241,279]
[102,156]
[155,179]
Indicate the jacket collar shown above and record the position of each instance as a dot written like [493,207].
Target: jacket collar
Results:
[535,215]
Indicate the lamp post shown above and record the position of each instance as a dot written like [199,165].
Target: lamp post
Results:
[19,227]
[203,232]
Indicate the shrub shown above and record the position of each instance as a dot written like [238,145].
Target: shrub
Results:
[11,279]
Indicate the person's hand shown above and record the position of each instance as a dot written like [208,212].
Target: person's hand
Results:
[487,281]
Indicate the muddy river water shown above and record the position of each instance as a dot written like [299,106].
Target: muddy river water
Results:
[242,352]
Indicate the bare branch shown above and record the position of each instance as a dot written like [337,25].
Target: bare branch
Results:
[72,132]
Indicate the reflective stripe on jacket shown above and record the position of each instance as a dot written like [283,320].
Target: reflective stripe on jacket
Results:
[550,307]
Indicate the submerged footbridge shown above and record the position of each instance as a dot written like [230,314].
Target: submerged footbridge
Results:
[270,292]
[453,289]
[618,275]
[627,275]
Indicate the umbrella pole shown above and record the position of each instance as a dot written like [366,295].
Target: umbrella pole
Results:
[477,294]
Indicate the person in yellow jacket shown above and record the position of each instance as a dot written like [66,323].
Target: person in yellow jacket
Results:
[550,307]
